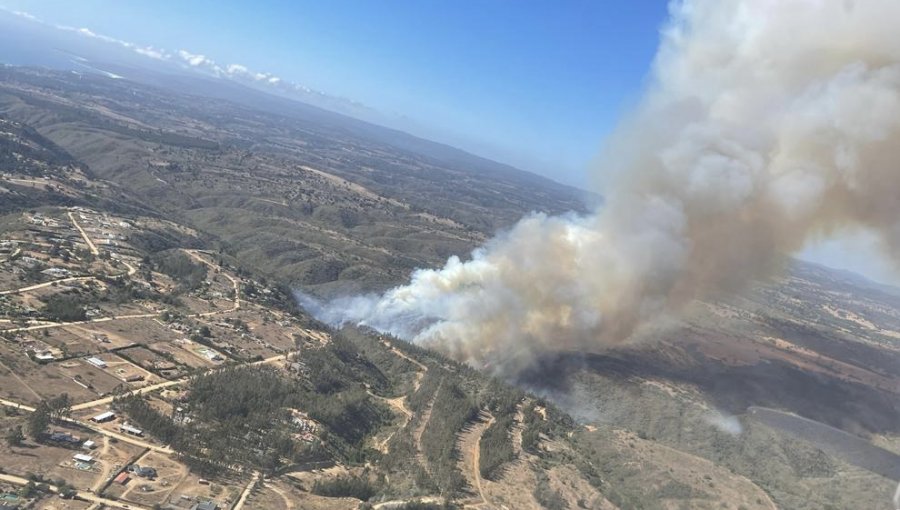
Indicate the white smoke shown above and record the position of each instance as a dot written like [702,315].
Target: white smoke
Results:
[726,423]
[767,123]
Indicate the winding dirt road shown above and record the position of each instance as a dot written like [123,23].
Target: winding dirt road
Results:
[470,446]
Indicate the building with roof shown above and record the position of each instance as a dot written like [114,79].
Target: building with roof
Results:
[143,471]
[128,429]
[97,362]
[104,417]
[64,437]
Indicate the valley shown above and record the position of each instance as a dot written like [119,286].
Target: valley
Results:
[150,246]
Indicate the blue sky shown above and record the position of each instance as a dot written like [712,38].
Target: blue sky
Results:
[525,82]
[534,84]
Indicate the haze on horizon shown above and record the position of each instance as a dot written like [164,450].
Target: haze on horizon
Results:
[535,86]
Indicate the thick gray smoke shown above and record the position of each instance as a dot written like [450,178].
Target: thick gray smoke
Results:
[767,123]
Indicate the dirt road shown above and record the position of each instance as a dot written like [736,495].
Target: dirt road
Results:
[246,494]
[235,285]
[470,446]
[45,284]
[84,496]
[84,235]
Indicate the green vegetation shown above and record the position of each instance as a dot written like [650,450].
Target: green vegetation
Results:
[46,412]
[345,487]
[243,415]
[187,273]
[496,447]
[15,436]
[417,505]
[372,208]
[38,421]
[546,496]
[496,442]
[65,308]
[451,411]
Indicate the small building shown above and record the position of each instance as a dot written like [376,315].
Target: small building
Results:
[64,437]
[80,457]
[44,356]
[128,429]
[134,378]
[97,362]
[104,417]
[56,272]
[122,478]
[142,471]
[206,505]
[89,445]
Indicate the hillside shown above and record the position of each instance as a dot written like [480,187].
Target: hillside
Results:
[317,204]
[150,242]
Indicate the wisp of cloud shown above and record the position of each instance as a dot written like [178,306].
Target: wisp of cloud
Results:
[766,123]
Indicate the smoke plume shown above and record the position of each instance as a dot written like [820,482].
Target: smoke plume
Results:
[765,124]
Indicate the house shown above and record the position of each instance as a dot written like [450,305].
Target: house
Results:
[134,378]
[64,437]
[89,445]
[44,356]
[80,457]
[143,472]
[122,478]
[97,362]
[104,417]
[206,505]
[211,355]
[56,272]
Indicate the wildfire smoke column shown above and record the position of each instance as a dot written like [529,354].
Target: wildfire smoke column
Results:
[766,124]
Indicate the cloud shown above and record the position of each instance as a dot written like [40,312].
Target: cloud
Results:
[194,59]
[200,63]
[237,69]
[25,15]
[151,52]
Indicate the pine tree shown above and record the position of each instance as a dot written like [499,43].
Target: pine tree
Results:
[14,436]
[39,420]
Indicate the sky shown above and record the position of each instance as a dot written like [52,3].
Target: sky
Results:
[523,82]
